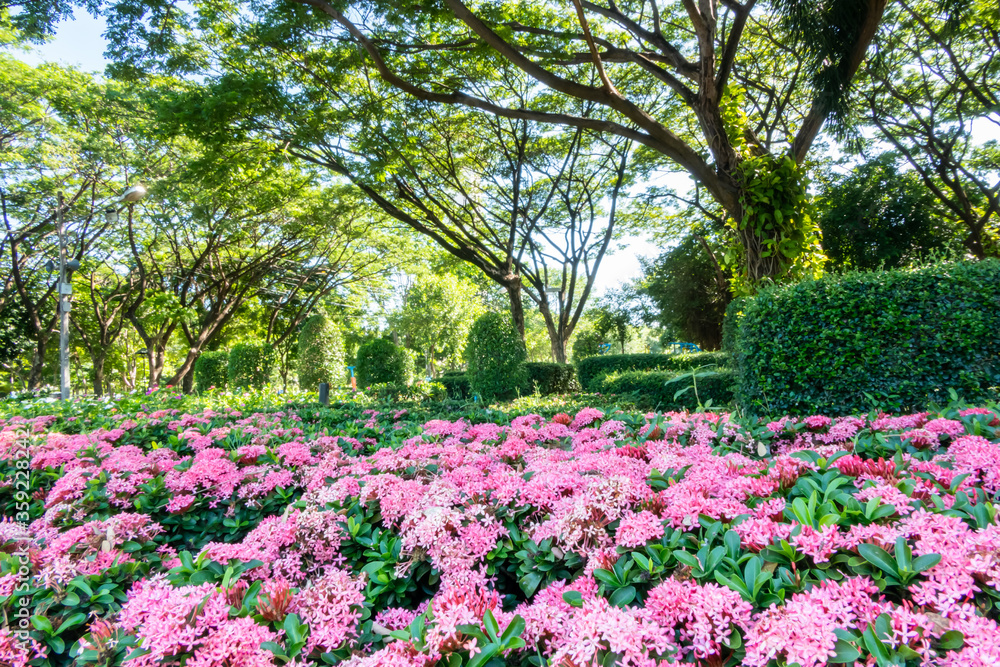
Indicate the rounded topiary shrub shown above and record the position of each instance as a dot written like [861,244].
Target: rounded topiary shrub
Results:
[250,365]
[380,361]
[321,353]
[497,358]
[211,370]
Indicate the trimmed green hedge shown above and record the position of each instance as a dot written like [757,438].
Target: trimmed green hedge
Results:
[417,392]
[321,354]
[211,370]
[381,362]
[457,385]
[250,366]
[551,378]
[592,369]
[496,356]
[904,337]
[656,389]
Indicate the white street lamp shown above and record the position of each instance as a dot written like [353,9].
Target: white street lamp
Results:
[66,269]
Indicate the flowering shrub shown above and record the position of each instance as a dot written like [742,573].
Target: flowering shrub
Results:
[176,532]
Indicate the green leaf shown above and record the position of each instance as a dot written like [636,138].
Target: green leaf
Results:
[878,557]
[71,622]
[844,652]
[573,598]
[42,624]
[925,562]
[291,626]
[952,640]
[622,596]
[512,631]
[480,658]
[875,645]
[491,625]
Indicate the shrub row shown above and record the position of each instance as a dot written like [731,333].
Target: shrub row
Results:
[250,365]
[893,340]
[592,369]
[457,385]
[550,378]
[547,378]
[658,390]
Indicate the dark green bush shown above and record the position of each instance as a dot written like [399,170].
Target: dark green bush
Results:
[457,386]
[656,390]
[683,287]
[418,391]
[496,356]
[552,378]
[587,344]
[250,365]
[211,370]
[380,361]
[903,337]
[731,322]
[590,370]
[321,353]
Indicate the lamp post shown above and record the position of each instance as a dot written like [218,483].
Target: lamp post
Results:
[66,269]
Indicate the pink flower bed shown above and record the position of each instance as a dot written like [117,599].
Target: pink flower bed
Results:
[583,539]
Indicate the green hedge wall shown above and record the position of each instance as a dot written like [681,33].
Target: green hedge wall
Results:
[457,386]
[656,389]
[592,369]
[551,378]
[211,370]
[380,362]
[250,366]
[904,337]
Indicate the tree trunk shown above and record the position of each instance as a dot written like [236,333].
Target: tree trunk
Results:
[516,307]
[156,358]
[37,363]
[557,334]
[187,382]
[98,361]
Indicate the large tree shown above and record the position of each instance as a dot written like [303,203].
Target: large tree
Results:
[732,93]
[933,94]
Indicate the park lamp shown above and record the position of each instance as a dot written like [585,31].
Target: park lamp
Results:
[130,196]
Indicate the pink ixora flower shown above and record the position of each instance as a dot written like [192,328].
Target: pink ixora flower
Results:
[636,529]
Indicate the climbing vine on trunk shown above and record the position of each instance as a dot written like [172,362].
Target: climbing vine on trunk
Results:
[775,239]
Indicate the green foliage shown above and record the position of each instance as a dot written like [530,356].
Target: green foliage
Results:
[776,237]
[587,344]
[673,390]
[381,361]
[437,314]
[457,385]
[250,366]
[496,357]
[682,285]
[211,370]
[321,353]
[880,218]
[731,323]
[892,340]
[418,391]
[591,370]
[551,378]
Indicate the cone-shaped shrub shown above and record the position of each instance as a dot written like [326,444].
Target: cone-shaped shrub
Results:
[321,353]
[497,358]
